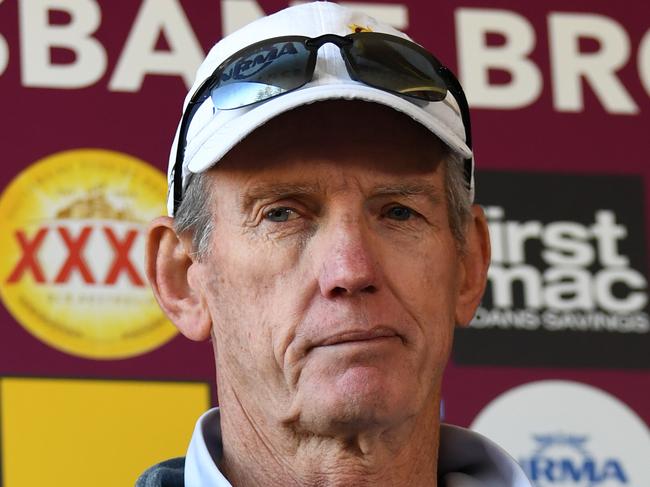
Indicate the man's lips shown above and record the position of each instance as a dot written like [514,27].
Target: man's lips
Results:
[376,333]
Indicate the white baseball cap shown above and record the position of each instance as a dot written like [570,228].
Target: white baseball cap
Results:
[213,132]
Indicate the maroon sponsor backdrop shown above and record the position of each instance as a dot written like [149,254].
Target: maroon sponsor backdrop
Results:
[39,121]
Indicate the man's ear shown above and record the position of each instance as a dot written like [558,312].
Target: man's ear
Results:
[172,273]
[475,261]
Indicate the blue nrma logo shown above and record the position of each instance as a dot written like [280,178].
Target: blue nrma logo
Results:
[563,460]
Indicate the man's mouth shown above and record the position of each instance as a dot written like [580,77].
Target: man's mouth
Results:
[377,334]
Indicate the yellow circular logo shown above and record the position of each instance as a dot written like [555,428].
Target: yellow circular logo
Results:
[72,234]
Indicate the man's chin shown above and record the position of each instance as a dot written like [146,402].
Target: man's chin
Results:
[361,398]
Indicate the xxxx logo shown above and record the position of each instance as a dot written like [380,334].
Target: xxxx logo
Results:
[75,261]
[72,230]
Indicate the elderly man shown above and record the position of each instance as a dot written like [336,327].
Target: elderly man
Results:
[322,234]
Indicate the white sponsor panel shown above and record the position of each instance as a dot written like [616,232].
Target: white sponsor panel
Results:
[569,434]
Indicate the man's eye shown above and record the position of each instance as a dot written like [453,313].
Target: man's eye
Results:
[281,214]
[399,213]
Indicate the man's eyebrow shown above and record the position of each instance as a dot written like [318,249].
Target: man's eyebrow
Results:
[275,191]
[407,189]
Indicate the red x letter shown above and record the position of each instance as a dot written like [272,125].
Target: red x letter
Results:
[28,261]
[121,262]
[75,259]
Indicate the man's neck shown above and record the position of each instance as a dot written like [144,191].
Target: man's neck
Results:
[263,454]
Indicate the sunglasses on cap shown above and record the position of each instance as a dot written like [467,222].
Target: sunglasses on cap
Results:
[277,66]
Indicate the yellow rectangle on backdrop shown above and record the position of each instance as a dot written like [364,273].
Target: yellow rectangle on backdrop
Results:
[77,433]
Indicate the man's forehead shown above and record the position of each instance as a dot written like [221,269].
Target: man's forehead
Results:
[269,190]
[330,146]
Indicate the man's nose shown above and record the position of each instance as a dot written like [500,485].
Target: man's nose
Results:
[349,263]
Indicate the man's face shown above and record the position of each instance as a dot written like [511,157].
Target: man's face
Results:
[332,278]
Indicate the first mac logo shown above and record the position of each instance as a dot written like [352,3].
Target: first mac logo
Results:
[568,279]
[72,231]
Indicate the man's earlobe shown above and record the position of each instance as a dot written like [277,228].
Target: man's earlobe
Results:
[171,271]
[474,267]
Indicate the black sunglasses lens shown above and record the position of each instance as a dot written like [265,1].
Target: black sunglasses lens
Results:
[261,74]
[395,66]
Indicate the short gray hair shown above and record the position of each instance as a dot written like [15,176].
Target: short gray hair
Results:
[194,215]
[459,203]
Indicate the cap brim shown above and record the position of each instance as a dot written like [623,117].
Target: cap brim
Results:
[219,138]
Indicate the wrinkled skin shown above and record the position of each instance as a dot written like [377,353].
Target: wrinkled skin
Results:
[331,288]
